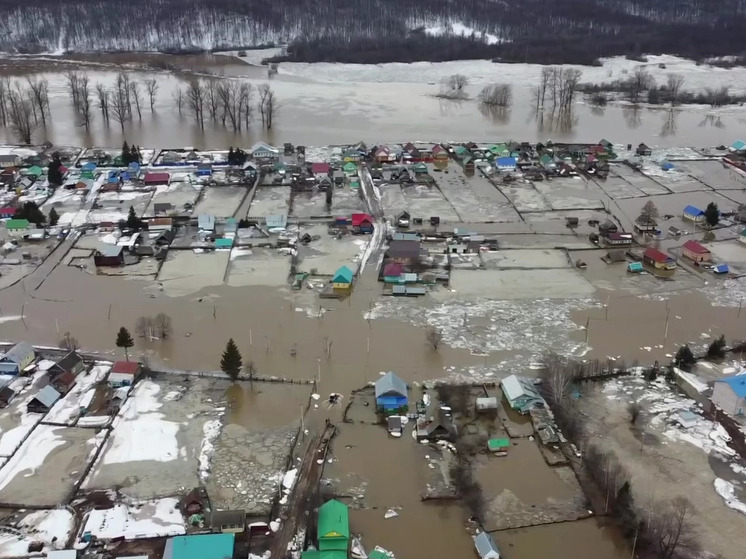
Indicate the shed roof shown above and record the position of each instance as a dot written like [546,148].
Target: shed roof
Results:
[515,387]
[126,367]
[343,275]
[69,361]
[111,250]
[19,352]
[693,210]
[390,384]
[359,218]
[202,546]
[334,520]
[320,168]
[494,444]
[47,396]
[695,247]
[404,249]
[656,255]
[276,220]
[62,554]
[227,518]
[737,384]
[486,546]
[152,177]
[17,224]
[393,269]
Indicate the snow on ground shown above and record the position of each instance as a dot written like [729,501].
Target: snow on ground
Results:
[148,519]
[139,421]
[211,430]
[67,409]
[726,490]
[12,438]
[31,455]
[458,29]
[42,525]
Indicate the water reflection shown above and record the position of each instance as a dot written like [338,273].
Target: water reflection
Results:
[712,120]
[632,116]
[562,122]
[669,124]
[497,115]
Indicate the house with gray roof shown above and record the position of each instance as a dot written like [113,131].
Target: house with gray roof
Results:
[17,358]
[521,394]
[44,400]
[391,393]
[486,546]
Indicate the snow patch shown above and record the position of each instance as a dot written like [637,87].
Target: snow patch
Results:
[726,490]
[148,519]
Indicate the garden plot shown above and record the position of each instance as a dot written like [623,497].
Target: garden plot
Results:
[177,194]
[393,201]
[64,201]
[270,200]
[427,201]
[169,413]
[716,174]
[185,271]
[67,410]
[258,266]
[327,254]
[571,193]
[147,519]
[121,202]
[520,284]
[618,187]
[637,180]
[525,259]
[309,204]
[476,199]
[674,204]
[525,197]
[15,421]
[51,527]
[221,201]
[347,201]
[676,180]
[44,470]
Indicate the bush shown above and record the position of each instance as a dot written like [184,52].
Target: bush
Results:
[684,358]
[717,349]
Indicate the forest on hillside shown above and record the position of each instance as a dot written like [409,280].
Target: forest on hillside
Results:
[372,31]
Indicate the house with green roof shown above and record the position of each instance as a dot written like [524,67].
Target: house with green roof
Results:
[500,150]
[350,168]
[342,279]
[200,546]
[17,224]
[461,152]
[333,527]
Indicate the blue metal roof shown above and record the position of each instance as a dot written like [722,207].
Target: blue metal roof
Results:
[721,269]
[506,161]
[693,210]
[737,383]
[738,145]
[200,546]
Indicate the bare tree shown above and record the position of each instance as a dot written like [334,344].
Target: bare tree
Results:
[151,87]
[195,98]
[136,97]
[634,409]
[39,96]
[267,105]
[163,325]
[717,97]
[671,530]
[119,105]
[72,83]
[123,85]
[144,327]
[245,101]
[68,342]
[454,87]
[212,98]
[497,94]
[21,116]
[179,99]
[675,83]
[434,337]
[249,370]
[84,101]
[640,81]
[103,100]
[540,94]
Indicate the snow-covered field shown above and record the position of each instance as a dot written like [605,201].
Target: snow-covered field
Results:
[148,519]
[67,410]
[52,527]
[24,422]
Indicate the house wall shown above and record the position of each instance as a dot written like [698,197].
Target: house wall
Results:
[697,257]
[725,398]
[695,218]
[9,367]
[341,285]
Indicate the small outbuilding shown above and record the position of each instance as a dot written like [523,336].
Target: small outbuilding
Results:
[228,521]
[696,252]
[644,150]
[17,358]
[342,279]
[123,373]
[486,546]
[486,404]
[333,532]
[658,260]
[693,213]
[109,255]
[729,394]
[498,446]
[44,400]
[391,393]
[200,546]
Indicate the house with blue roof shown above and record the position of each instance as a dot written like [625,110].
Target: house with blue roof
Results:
[391,393]
[200,546]
[506,163]
[693,213]
[738,145]
[729,394]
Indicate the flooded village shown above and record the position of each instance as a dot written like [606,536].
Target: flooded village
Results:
[498,349]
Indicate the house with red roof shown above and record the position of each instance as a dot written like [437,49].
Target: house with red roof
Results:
[696,252]
[658,260]
[320,169]
[124,373]
[439,153]
[362,223]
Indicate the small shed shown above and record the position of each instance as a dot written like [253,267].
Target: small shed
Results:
[62,554]
[333,531]
[109,255]
[154,178]
[17,224]
[658,260]
[276,221]
[420,169]
[17,358]
[721,269]
[7,212]
[635,267]
[162,208]
[206,222]
[606,228]
[643,150]
[202,546]
[223,243]
[693,213]
[6,396]
[44,400]
[394,425]
[498,446]
[362,223]
[486,404]
[228,521]
[686,418]
[486,546]
[194,502]
[64,382]
[123,373]
[342,279]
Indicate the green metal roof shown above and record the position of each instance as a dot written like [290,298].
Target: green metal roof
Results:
[17,224]
[35,170]
[200,546]
[343,275]
[378,554]
[494,444]
[334,520]
[350,166]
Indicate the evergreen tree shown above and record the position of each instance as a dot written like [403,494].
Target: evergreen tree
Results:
[54,174]
[134,154]
[684,358]
[133,222]
[712,214]
[230,156]
[30,211]
[231,361]
[53,217]
[125,341]
[126,153]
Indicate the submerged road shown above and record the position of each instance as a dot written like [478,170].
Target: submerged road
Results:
[372,198]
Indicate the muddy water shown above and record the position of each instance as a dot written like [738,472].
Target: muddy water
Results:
[331,112]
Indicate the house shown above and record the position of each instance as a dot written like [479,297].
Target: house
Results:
[486,404]
[521,394]
[123,373]
[461,152]
[615,255]
[194,502]
[70,363]
[439,153]
[204,169]
[696,252]
[506,163]
[276,221]
[160,224]
[729,394]
[350,169]
[155,178]
[738,146]
[606,228]
[333,532]
[618,239]
[163,208]
[391,393]
[643,150]
[392,272]
[547,163]
[206,223]
[9,160]
[498,446]
[362,223]
[165,238]
[322,169]
[200,546]
[486,546]
[109,255]
[499,150]
[7,212]
[404,252]
[635,267]
[17,358]
[261,150]
[694,214]
[420,169]
[383,154]
[6,396]
[342,279]
[228,521]
[64,382]
[658,260]
[17,224]
[645,226]
[437,423]
[44,400]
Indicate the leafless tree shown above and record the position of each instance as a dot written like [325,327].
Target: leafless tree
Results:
[717,97]
[671,530]
[4,92]
[103,100]
[68,342]
[640,81]
[669,123]
[179,99]
[540,94]
[163,325]
[72,83]
[151,87]
[246,100]
[144,327]
[675,83]
[123,85]
[649,213]
[195,98]
[136,97]
[84,101]
[119,105]
[249,370]
[212,98]
[634,409]
[267,105]
[454,87]
[434,337]
[21,115]
[497,94]
[39,96]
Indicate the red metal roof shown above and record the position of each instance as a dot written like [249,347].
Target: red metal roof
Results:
[695,247]
[320,168]
[393,269]
[656,255]
[157,177]
[358,219]
[619,236]
[127,367]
